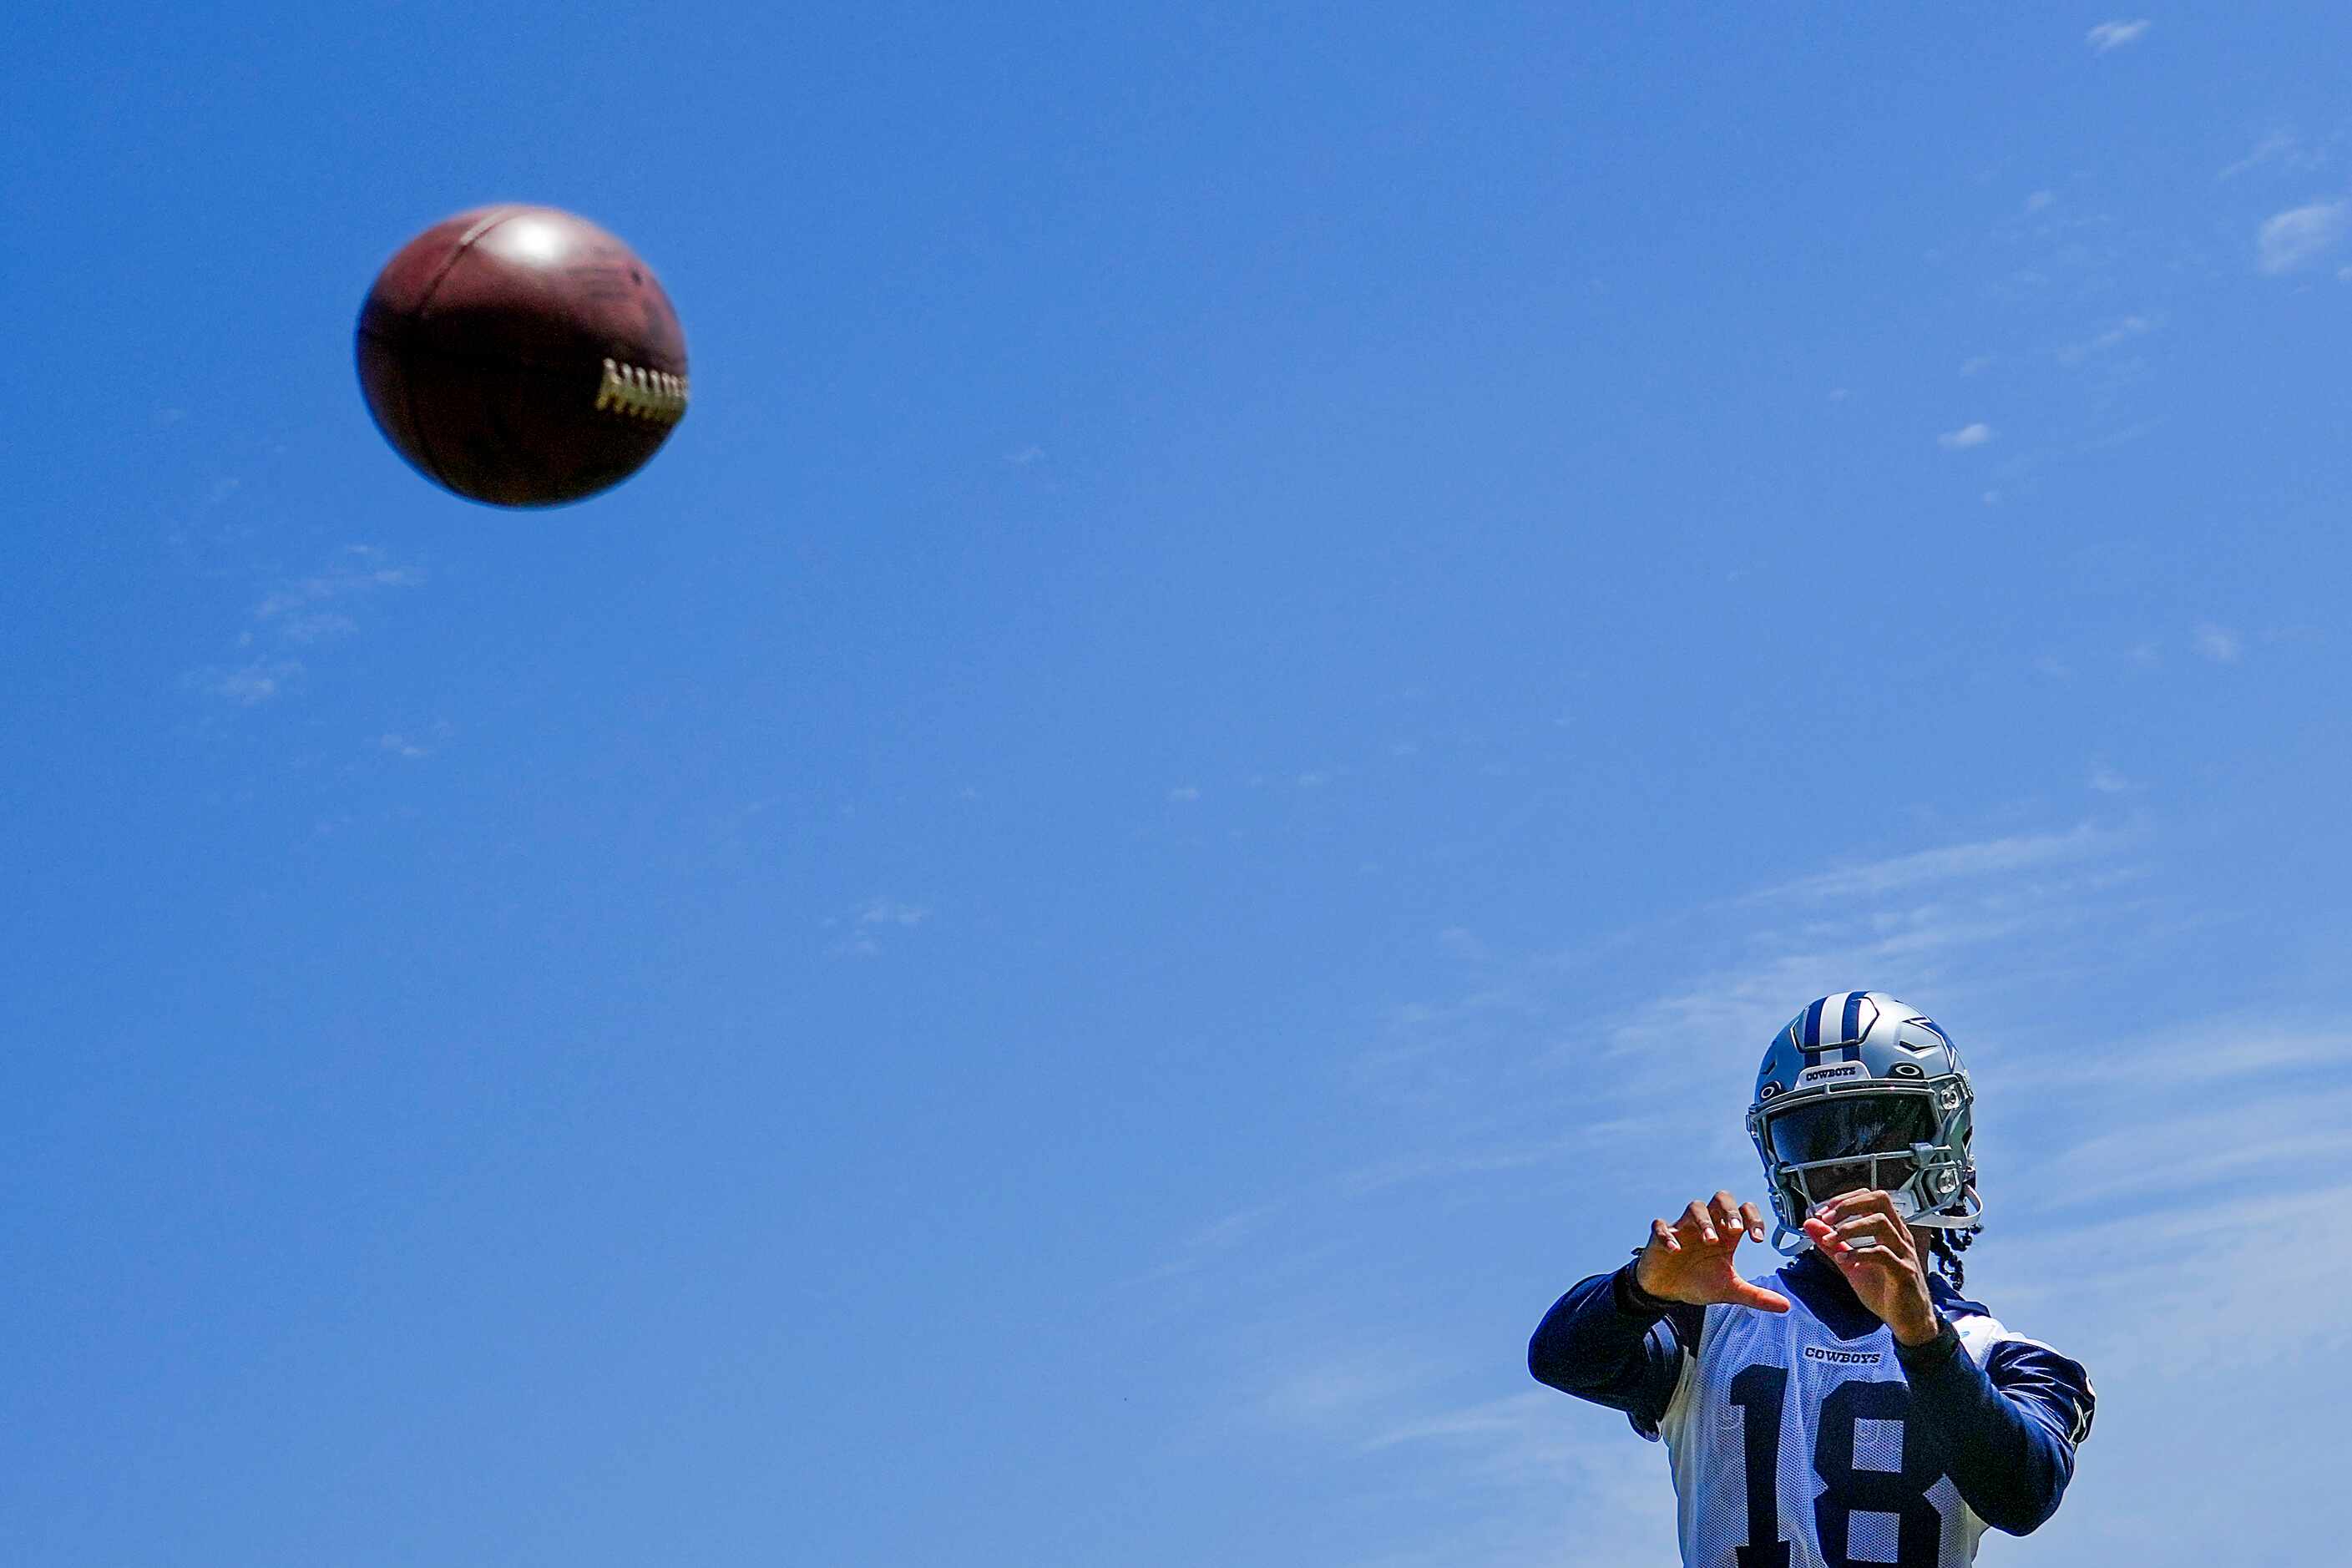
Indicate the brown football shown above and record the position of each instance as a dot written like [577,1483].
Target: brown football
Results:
[521,356]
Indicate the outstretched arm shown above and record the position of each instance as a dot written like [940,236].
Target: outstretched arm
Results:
[1618,1339]
[1600,1343]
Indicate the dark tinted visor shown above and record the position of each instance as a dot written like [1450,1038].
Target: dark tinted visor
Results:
[1845,1126]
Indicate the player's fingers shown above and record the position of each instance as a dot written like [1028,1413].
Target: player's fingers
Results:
[1694,1219]
[1830,1208]
[1868,1200]
[1663,1232]
[1754,1218]
[1863,1232]
[1726,1210]
[1743,1294]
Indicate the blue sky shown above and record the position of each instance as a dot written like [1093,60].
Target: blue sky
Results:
[1279,638]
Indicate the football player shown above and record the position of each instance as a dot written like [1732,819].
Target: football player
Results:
[1852,1407]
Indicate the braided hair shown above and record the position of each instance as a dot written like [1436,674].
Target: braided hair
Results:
[1947,1246]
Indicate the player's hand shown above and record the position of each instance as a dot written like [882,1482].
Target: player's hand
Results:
[1866,1241]
[1690,1259]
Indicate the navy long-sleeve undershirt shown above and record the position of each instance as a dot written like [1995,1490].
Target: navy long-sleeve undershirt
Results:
[2008,1427]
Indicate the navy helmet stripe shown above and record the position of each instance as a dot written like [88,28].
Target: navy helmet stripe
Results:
[1845,1009]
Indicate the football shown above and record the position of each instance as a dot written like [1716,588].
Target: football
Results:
[521,356]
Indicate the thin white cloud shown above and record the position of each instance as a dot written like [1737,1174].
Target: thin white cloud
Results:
[2039,200]
[1965,437]
[1212,1241]
[863,928]
[251,684]
[2250,1114]
[1952,863]
[1184,792]
[2114,34]
[360,569]
[316,627]
[301,613]
[2105,780]
[2281,147]
[1341,1393]
[1976,364]
[2115,336]
[2218,642]
[2300,235]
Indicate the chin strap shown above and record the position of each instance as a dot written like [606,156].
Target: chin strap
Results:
[1971,1215]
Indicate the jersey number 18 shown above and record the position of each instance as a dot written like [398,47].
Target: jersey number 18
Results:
[1758,1391]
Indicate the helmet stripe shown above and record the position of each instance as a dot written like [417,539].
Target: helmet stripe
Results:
[1812,1040]
[1851,1029]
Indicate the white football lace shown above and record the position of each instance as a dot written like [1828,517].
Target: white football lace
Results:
[642,394]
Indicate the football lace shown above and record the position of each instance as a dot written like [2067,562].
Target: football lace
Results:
[642,394]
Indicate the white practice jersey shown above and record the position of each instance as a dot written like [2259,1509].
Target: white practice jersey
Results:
[1789,1447]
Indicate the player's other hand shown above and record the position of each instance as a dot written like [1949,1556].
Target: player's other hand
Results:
[1689,1259]
[1865,1238]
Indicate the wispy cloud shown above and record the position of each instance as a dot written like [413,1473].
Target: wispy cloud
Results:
[863,929]
[2217,642]
[250,684]
[360,569]
[1338,1392]
[1184,792]
[1926,867]
[1212,1241]
[2249,1112]
[2122,333]
[2295,238]
[2114,34]
[316,627]
[2280,149]
[1966,436]
[302,613]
